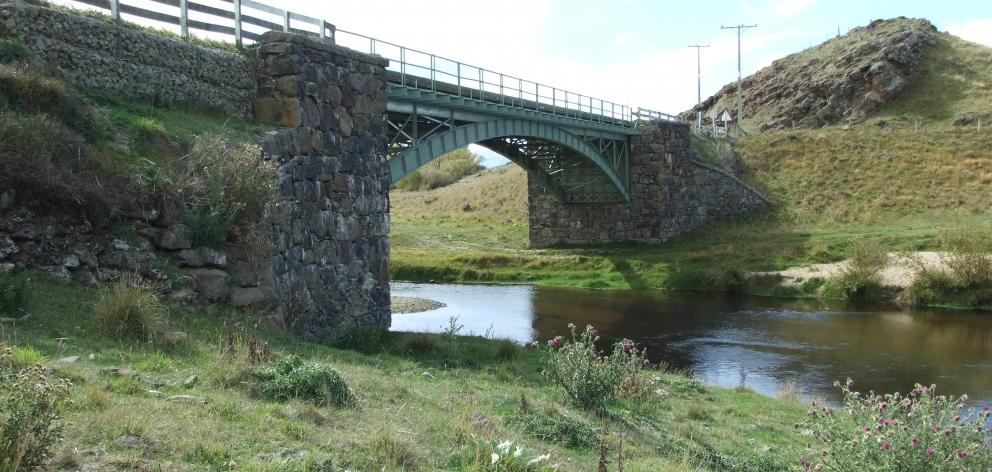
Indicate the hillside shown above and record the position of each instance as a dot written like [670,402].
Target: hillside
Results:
[900,67]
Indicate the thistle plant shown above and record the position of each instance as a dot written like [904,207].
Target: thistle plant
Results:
[590,380]
[31,421]
[918,431]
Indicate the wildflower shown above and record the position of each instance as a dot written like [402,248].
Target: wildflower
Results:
[915,442]
[595,334]
[962,454]
[886,446]
[850,383]
[884,406]
[555,342]
[930,452]
[985,408]
[628,345]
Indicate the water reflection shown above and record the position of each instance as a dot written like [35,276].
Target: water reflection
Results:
[728,340]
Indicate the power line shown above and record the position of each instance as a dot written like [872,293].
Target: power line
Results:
[699,81]
[740,100]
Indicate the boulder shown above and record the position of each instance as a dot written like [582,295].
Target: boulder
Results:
[254,297]
[213,284]
[6,199]
[243,274]
[175,237]
[201,257]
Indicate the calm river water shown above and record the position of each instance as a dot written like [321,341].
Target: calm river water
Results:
[727,340]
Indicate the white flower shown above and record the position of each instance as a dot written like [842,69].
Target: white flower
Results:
[504,447]
[494,458]
[519,452]
[538,459]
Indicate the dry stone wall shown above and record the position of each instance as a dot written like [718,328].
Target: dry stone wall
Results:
[330,228]
[670,194]
[97,53]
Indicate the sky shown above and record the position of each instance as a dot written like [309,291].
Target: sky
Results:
[631,52]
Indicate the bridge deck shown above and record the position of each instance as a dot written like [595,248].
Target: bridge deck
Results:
[405,88]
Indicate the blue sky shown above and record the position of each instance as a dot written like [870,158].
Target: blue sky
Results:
[631,52]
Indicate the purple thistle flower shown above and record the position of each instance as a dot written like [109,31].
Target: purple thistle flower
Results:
[962,454]
[985,408]
[915,442]
[595,333]
[555,342]
[930,452]
[886,446]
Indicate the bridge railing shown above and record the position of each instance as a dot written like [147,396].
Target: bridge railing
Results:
[424,70]
[646,114]
[244,21]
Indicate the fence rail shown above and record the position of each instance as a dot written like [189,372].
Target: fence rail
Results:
[410,67]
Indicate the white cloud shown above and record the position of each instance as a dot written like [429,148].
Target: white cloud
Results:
[977,30]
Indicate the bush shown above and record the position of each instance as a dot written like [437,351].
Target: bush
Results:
[222,186]
[552,426]
[444,171]
[127,309]
[588,379]
[32,417]
[13,295]
[292,377]
[967,279]
[919,431]
[860,279]
[13,50]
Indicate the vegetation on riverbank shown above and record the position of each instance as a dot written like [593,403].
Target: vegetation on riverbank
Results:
[418,402]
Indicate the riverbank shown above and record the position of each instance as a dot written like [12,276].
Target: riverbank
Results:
[422,402]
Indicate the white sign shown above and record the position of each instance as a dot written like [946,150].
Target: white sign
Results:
[726,118]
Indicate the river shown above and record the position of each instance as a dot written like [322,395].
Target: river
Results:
[765,344]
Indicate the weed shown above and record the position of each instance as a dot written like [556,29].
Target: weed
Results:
[32,423]
[292,377]
[421,343]
[588,379]
[552,426]
[23,357]
[14,291]
[14,50]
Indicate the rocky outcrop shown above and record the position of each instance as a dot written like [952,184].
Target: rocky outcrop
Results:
[841,80]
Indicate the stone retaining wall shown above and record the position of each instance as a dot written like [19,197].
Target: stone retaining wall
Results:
[670,194]
[330,228]
[97,53]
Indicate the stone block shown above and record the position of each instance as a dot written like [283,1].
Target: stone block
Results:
[285,112]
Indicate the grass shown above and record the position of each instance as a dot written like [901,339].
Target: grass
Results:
[413,410]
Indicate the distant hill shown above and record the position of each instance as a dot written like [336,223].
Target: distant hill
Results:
[901,65]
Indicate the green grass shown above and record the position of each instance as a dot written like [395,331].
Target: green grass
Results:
[414,410]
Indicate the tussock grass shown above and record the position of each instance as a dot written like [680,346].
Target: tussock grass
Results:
[128,309]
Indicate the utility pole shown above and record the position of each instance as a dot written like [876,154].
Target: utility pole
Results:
[699,81]
[740,99]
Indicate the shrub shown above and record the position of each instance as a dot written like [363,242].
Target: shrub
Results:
[14,50]
[292,377]
[588,379]
[860,279]
[13,295]
[127,309]
[552,426]
[222,186]
[32,418]
[444,171]
[918,431]
[967,279]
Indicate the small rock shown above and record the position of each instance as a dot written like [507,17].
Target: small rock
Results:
[481,421]
[201,257]
[120,245]
[68,360]
[467,207]
[174,337]
[71,261]
[284,454]
[119,372]
[7,246]
[27,232]
[155,394]
[6,199]
[428,375]
[183,297]
[130,441]
[190,381]
[187,399]
[91,357]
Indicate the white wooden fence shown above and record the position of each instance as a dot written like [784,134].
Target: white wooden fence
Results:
[230,20]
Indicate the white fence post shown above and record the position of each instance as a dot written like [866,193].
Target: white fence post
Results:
[323,29]
[285,21]
[115,10]
[184,18]
[237,23]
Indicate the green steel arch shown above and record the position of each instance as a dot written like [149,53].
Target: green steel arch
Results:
[436,145]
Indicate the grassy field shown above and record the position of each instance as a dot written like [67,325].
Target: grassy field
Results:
[424,402]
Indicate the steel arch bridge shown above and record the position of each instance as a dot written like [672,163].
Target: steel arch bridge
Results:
[578,147]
